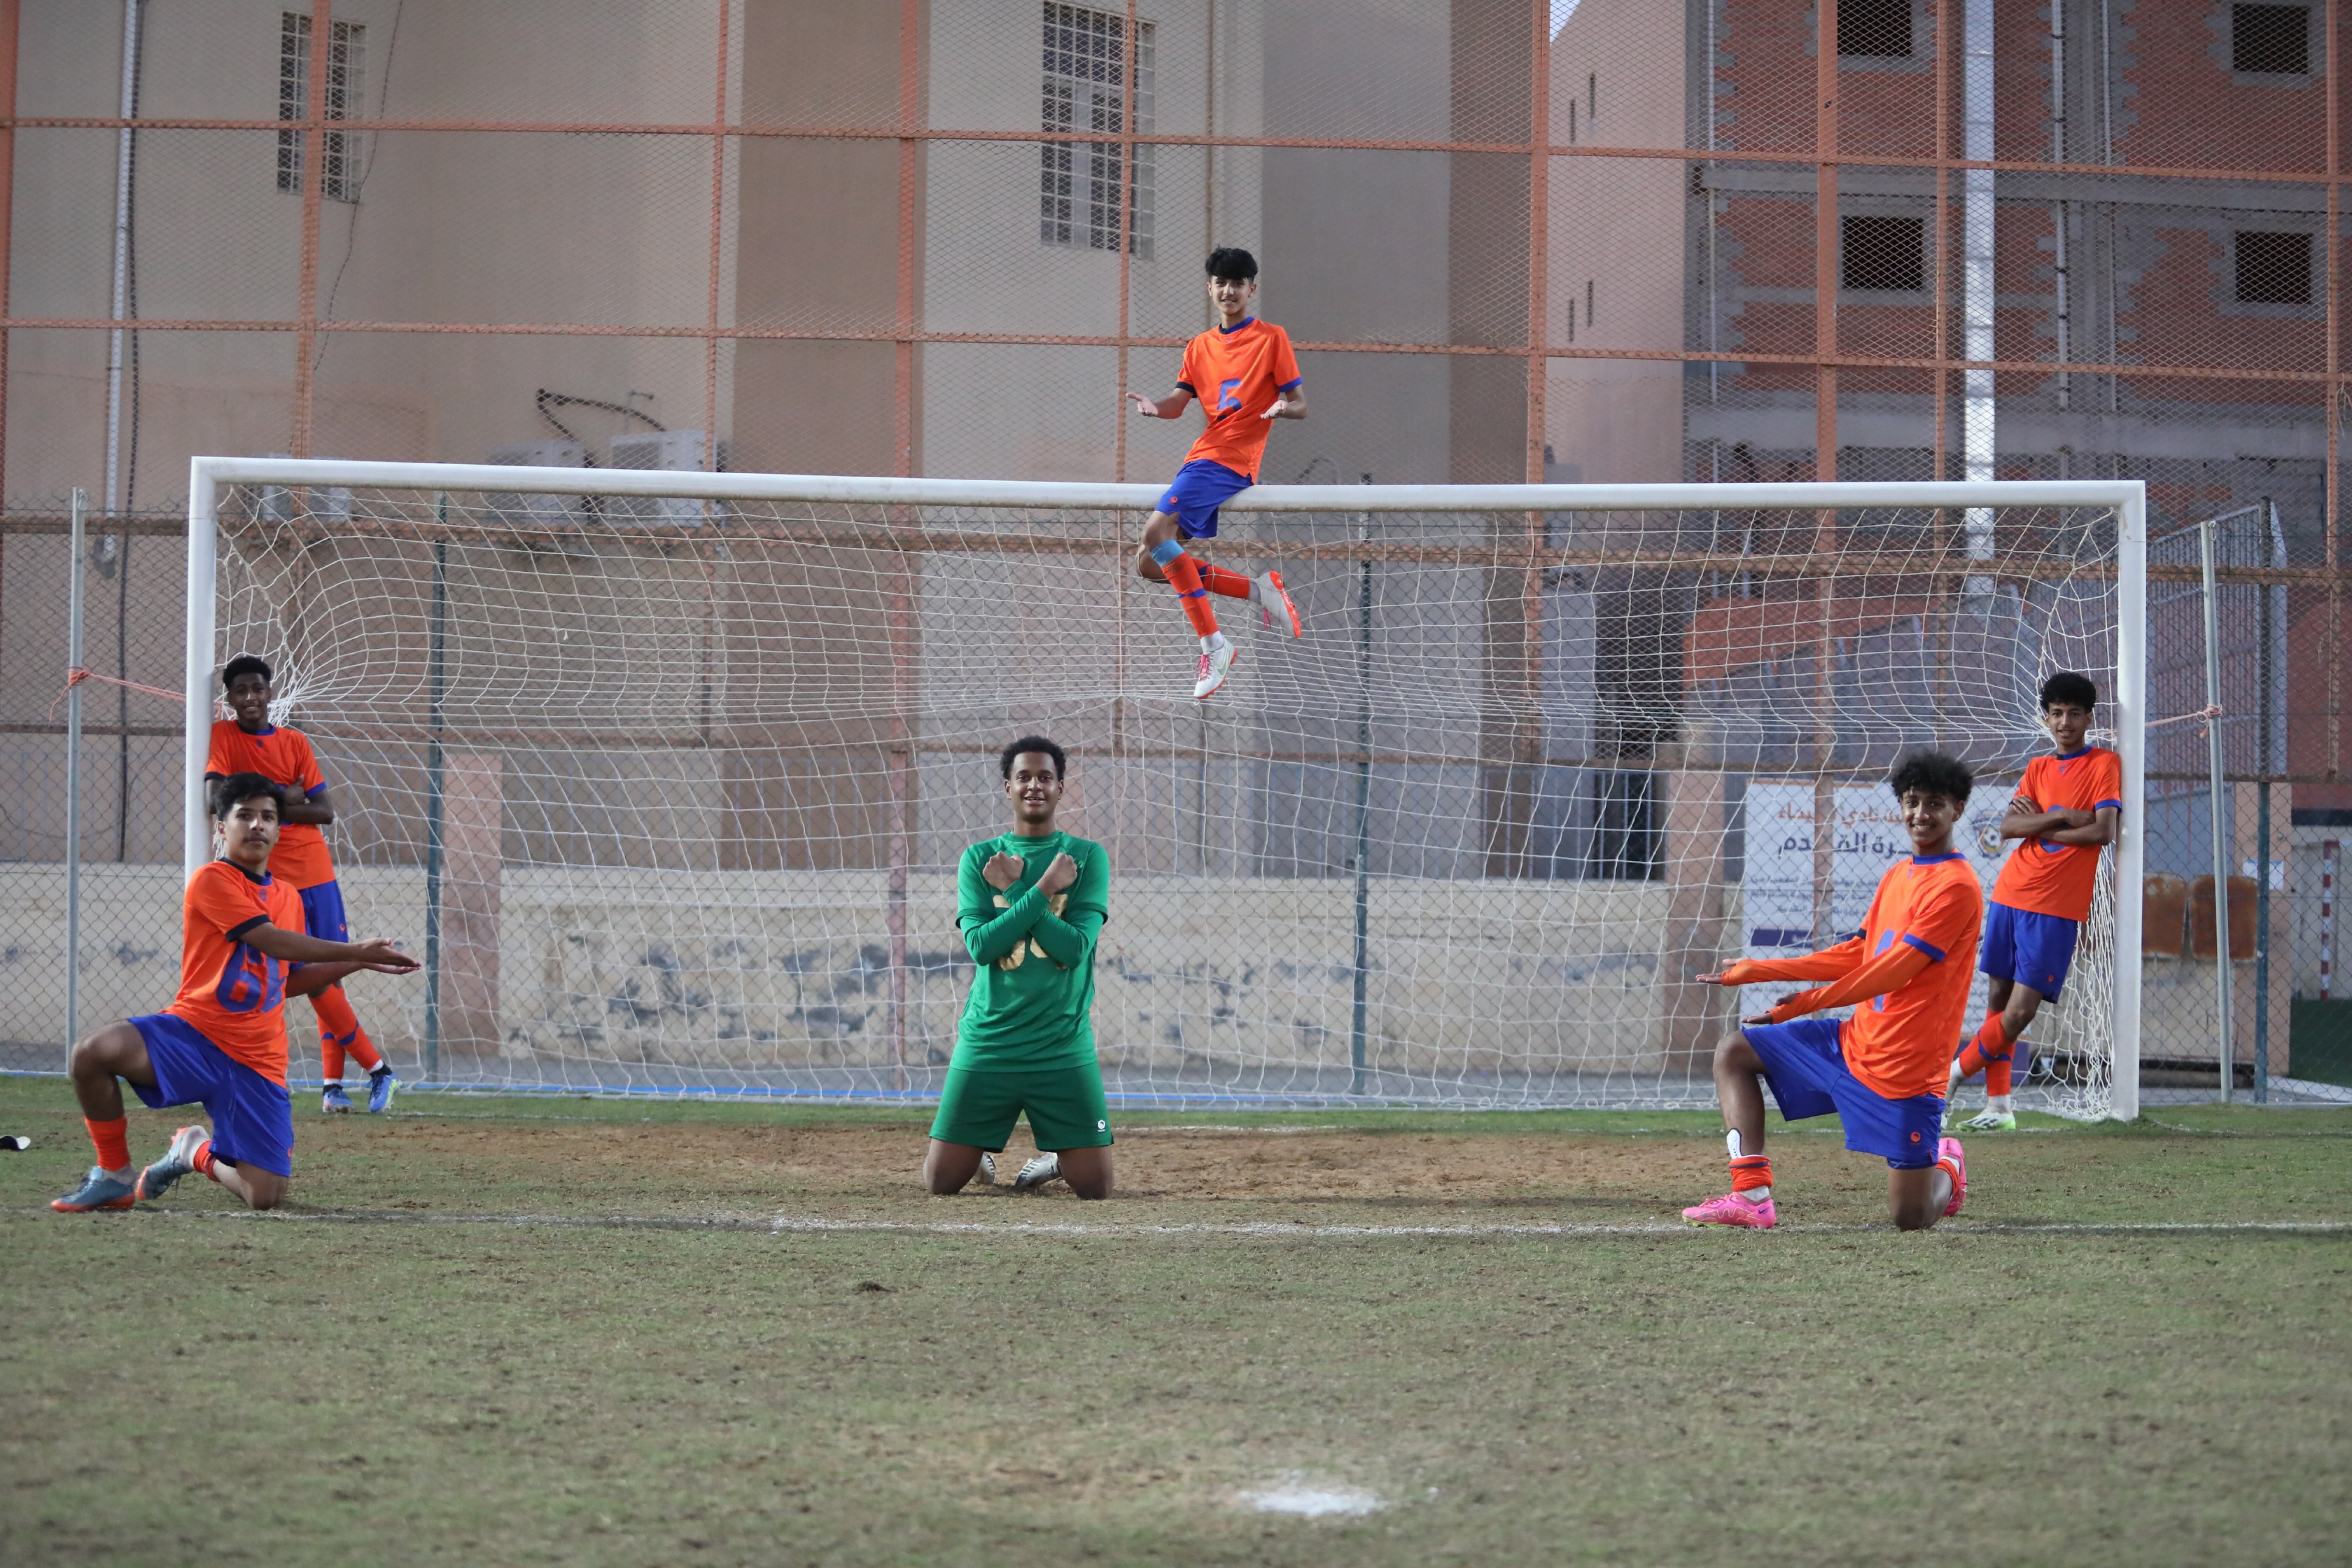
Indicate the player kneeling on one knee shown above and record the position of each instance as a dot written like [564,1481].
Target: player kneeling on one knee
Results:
[222,1042]
[1030,904]
[1882,1071]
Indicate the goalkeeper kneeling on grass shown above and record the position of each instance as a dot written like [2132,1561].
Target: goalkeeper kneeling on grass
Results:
[1031,903]
[1882,1071]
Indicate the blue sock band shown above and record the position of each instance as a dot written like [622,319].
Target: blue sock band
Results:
[1163,554]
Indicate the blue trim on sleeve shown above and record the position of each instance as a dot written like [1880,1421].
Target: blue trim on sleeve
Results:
[315,790]
[1290,384]
[1188,386]
[2105,803]
[1930,948]
[1167,550]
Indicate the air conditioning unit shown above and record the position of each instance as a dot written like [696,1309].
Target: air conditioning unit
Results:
[676,451]
[327,503]
[539,511]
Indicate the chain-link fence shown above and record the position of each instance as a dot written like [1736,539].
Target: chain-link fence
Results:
[1574,239]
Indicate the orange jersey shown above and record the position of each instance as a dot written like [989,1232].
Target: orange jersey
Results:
[236,994]
[2048,879]
[1237,375]
[283,756]
[1901,1043]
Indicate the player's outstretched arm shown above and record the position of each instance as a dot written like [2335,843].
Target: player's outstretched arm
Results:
[1291,405]
[1167,408]
[1830,963]
[1890,971]
[378,954]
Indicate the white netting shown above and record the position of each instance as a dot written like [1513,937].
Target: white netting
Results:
[674,790]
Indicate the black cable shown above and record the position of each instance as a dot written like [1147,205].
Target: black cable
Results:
[546,402]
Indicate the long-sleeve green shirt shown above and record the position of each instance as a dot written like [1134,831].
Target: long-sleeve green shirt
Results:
[1032,996]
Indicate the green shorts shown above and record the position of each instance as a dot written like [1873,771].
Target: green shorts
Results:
[1065,1105]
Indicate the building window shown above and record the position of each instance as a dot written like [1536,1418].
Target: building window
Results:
[340,181]
[1875,29]
[2272,269]
[1079,194]
[2269,40]
[1884,254]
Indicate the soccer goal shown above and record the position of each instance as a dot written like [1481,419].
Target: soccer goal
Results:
[666,773]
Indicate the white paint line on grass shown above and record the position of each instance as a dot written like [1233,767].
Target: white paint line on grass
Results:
[1295,1494]
[792,1225]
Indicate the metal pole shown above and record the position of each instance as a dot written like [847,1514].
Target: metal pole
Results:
[73,776]
[1363,812]
[119,309]
[435,670]
[2131,845]
[195,815]
[2263,953]
[2269,669]
[2222,1000]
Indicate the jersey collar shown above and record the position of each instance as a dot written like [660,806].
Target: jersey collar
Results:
[260,881]
[2082,751]
[1935,860]
[257,734]
[1242,325]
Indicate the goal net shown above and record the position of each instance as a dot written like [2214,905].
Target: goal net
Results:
[667,774]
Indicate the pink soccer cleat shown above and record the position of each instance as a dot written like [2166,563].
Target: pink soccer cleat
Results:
[1733,1210]
[1273,601]
[1950,1155]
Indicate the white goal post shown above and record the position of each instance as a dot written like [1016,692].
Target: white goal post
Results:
[266,523]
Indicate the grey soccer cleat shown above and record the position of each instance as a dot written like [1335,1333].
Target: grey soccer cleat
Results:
[177,1162]
[1044,1168]
[986,1175]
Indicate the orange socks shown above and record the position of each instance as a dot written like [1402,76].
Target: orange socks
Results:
[1989,1053]
[204,1162]
[1184,574]
[112,1142]
[339,1031]
[1750,1172]
[1223,582]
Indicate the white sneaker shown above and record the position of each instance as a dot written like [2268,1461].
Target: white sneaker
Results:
[1213,667]
[1038,1173]
[986,1175]
[1273,601]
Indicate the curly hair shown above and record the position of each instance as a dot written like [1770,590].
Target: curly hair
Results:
[1033,744]
[1932,772]
[2069,688]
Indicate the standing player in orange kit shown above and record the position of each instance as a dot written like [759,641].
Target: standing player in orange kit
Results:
[1882,1071]
[2065,811]
[1244,374]
[251,744]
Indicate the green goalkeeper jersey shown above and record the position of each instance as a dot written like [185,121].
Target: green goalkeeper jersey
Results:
[1032,1000]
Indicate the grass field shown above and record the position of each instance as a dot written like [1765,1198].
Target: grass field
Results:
[605,1331]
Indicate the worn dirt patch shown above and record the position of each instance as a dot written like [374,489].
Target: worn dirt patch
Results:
[750,1165]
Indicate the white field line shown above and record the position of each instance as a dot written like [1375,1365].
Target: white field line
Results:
[792,1225]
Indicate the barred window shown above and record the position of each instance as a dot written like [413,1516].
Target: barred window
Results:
[2274,268]
[1079,190]
[2272,40]
[340,153]
[1884,253]
[1875,30]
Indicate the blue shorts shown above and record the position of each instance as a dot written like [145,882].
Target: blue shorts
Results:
[322,911]
[1807,1070]
[253,1119]
[1202,486]
[2029,949]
